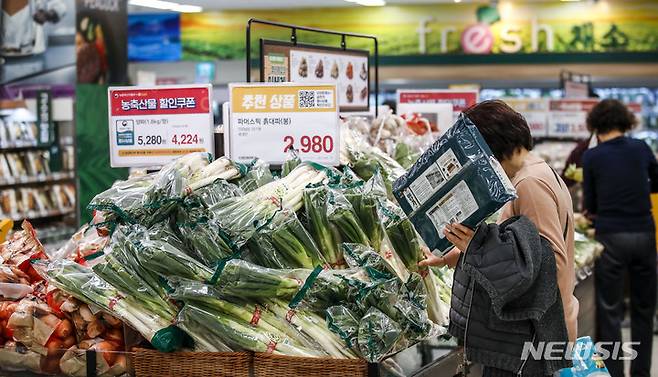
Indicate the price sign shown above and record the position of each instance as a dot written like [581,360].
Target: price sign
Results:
[150,126]
[535,112]
[266,120]
[460,99]
[568,117]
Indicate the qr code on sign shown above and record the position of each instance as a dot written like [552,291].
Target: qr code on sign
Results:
[306,99]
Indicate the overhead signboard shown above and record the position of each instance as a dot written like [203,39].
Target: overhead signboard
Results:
[150,126]
[535,112]
[266,120]
[568,117]
[310,64]
[460,99]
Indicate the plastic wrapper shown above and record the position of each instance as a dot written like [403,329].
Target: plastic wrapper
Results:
[365,199]
[237,333]
[285,243]
[21,249]
[258,174]
[256,315]
[151,198]
[291,162]
[239,278]
[344,322]
[123,270]
[365,257]
[164,259]
[312,326]
[324,233]
[123,199]
[13,291]
[206,241]
[457,180]
[83,284]
[87,243]
[211,194]
[405,154]
[342,216]
[378,335]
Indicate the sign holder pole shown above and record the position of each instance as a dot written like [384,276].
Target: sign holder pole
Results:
[293,39]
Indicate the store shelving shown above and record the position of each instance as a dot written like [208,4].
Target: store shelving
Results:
[37,177]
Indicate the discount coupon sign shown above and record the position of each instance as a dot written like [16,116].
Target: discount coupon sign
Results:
[267,120]
[152,126]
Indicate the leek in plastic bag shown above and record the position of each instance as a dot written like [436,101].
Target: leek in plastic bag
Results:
[255,314]
[324,233]
[239,335]
[340,213]
[344,322]
[285,243]
[378,335]
[258,174]
[239,278]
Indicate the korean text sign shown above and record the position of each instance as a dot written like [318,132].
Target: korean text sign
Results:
[150,126]
[460,99]
[266,120]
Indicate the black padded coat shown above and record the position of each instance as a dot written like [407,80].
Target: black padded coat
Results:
[504,294]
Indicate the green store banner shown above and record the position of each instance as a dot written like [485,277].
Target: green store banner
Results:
[509,28]
[93,145]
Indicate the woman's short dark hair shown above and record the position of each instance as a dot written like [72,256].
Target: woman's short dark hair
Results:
[610,115]
[504,129]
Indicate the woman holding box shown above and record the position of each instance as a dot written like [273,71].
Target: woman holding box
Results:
[542,197]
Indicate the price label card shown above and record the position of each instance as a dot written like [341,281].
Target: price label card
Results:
[460,99]
[150,126]
[568,117]
[266,120]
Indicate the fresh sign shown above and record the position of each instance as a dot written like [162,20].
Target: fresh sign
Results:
[266,120]
[152,126]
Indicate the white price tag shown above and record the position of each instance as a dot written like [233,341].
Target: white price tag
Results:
[268,119]
[150,126]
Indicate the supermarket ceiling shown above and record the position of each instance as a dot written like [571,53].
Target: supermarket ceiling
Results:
[210,5]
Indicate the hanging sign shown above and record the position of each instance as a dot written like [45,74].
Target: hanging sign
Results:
[311,64]
[150,126]
[568,117]
[44,117]
[460,99]
[266,120]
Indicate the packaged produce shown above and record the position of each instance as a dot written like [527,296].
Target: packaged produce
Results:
[284,243]
[457,180]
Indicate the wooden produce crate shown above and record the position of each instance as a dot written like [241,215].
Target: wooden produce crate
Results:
[150,363]
[268,365]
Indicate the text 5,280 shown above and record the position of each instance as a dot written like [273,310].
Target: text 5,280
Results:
[150,140]
[315,144]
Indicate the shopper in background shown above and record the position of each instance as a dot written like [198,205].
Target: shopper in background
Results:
[619,175]
[542,197]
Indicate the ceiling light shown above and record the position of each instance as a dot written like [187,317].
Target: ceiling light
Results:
[458,1]
[166,5]
[368,3]
[569,1]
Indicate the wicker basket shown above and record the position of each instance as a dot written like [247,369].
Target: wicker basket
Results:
[149,363]
[268,365]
